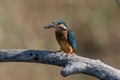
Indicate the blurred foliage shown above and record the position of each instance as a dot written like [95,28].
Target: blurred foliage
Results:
[96,24]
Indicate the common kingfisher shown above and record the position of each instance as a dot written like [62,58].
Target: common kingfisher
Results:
[64,36]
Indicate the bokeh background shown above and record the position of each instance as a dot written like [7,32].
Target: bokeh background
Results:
[96,24]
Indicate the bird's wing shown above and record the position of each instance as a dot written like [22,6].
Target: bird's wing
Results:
[71,39]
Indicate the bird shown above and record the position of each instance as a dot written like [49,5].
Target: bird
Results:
[64,36]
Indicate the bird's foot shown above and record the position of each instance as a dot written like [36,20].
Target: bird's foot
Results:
[59,51]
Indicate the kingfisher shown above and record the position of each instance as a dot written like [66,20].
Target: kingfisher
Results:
[64,36]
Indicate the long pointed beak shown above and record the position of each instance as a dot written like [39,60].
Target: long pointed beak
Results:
[50,26]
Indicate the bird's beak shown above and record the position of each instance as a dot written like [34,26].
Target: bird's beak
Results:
[50,26]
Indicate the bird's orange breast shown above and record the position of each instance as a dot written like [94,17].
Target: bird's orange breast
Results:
[63,41]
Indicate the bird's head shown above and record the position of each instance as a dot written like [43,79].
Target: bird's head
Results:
[57,24]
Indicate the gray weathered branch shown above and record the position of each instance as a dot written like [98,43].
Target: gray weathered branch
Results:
[72,64]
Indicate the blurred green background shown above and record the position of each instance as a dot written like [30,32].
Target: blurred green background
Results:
[96,24]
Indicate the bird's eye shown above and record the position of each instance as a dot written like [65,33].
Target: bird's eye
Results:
[58,23]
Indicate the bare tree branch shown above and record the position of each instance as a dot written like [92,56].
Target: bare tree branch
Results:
[72,63]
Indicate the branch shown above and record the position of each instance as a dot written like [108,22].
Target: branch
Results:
[72,63]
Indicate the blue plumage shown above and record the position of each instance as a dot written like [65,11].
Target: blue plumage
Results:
[71,39]
[64,36]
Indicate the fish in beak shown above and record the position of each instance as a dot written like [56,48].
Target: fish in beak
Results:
[50,26]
